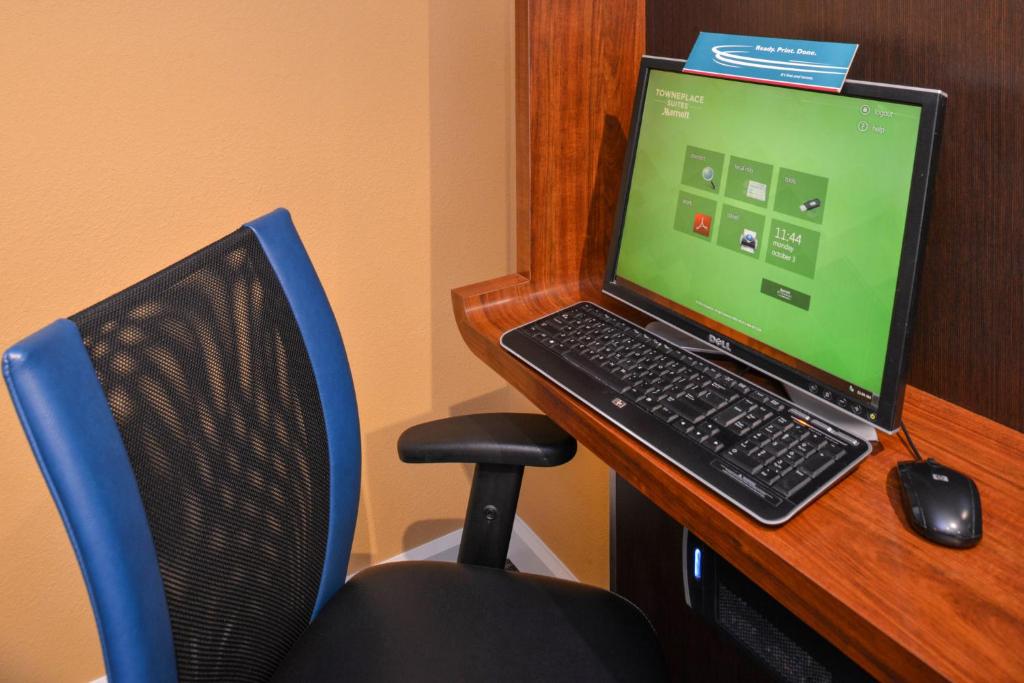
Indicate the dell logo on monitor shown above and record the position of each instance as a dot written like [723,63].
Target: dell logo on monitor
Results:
[719,342]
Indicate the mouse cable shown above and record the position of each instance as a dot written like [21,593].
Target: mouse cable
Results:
[910,442]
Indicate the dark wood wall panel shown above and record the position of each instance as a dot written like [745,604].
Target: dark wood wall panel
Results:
[575,79]
[968,344]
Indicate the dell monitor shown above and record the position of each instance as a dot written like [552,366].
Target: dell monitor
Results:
[783,226]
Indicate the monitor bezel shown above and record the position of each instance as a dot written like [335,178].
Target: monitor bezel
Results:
[890,401]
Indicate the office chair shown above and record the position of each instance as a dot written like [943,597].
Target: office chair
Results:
[199,434]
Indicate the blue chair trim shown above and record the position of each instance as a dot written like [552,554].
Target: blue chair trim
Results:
[65,414]
[326,351]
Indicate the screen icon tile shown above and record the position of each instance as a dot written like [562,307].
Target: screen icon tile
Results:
[741,230]
[749,181]
[703,169]
[695,215]
[802,195]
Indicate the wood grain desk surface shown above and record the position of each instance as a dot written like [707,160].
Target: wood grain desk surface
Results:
[848,565]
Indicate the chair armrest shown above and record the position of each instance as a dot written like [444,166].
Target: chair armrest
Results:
[489,439]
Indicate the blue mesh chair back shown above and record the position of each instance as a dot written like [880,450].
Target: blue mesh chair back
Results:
[208,412]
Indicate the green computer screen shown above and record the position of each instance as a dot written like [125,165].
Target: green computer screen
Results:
[775,212]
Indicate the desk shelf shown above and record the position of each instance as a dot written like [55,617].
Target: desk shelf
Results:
[848,565]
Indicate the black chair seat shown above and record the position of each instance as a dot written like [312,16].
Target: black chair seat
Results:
[435,621]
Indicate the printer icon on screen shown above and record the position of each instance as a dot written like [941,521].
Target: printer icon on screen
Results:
[748,241]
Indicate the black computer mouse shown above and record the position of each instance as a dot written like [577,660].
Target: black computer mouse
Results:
[941,504]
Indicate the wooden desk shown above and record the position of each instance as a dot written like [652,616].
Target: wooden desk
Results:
[848,565]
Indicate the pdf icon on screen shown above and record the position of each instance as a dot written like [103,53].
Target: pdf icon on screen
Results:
[702,224]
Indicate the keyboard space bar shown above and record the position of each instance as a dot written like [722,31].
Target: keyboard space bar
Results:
[595,370]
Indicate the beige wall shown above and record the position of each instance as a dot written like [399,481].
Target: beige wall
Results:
[134,133]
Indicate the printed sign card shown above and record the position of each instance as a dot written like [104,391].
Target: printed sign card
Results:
[806,64]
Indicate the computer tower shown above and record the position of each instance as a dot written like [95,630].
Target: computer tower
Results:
[766,630]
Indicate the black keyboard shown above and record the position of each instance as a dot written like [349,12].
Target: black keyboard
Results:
[754,448]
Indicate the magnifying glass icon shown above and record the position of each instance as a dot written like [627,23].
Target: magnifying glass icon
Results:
[708,174]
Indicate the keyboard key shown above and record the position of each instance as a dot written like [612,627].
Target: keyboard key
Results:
[704,430]
[595,370]
[746,461]
[793,458]
[689,407]
[788,438]
[760,437]
[664,414]
[740,427]
[714,444]
[559,321]
[710,426]
[716,385]
[777,467]
[748,446]
[817,439]
[728,416]
[648,402]
[799,431]
[713,398]
[758,414]
[816,463]
[833,449]
[746,405]
[804,448]
[792,482]
[682,426]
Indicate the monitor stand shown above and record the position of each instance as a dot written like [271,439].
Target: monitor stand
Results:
[806,400]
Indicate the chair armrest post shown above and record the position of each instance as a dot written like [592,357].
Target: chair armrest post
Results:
[490,514]
[500,444]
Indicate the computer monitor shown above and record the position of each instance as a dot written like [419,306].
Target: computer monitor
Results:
[783,226]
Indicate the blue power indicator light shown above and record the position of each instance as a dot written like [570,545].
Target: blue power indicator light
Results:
[696,563]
